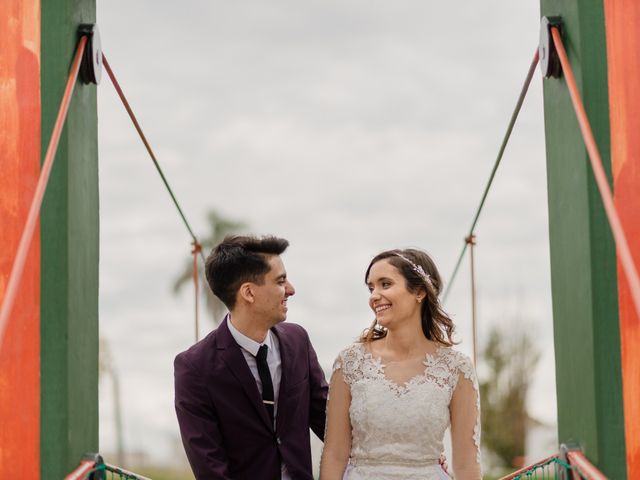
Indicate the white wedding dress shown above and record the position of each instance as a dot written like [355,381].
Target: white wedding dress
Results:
[400,411]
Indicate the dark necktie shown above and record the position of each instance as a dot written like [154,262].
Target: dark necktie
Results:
[265,378]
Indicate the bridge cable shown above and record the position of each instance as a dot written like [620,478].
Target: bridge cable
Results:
[36,203]
[471,241]
[196,245]
[127,106]
[503,146]
[623,250]
[197,249]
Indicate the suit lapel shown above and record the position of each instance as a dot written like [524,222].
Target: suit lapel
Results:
[235,361]
[285,356]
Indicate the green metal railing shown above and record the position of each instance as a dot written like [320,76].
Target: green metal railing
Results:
[550,468]
[93,467]
[109,472]
[570,464]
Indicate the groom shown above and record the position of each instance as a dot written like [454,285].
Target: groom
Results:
[247,394]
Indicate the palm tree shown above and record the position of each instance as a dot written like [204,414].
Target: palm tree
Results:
[220,226]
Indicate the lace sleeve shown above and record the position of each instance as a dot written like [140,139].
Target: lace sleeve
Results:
[349,363]
[337,440]
[337,364]
[465,422]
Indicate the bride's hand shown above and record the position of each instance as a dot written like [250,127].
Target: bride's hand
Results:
[443,463]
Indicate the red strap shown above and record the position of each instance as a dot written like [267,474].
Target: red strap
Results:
[624,252]
[82,471]
[195,251]
[584,466]
[34,210]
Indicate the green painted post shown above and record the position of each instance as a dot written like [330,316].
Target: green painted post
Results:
[69,252]
[583,257]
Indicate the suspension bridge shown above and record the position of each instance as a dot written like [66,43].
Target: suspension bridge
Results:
[587,58]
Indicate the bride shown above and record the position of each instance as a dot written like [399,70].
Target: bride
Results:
[394,393]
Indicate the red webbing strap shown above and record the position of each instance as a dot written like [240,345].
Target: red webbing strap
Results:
[195,251]
[471,241]
[584,466]
[81,472]
[624,252]
[34,210]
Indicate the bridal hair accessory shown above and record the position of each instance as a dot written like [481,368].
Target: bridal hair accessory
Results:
[419,270]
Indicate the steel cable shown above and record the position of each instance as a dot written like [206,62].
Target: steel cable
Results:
[503,146]
[127,106]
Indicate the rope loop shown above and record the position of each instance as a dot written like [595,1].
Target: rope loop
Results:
[196,247]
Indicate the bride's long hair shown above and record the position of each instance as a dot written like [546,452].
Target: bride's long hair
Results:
[436,323]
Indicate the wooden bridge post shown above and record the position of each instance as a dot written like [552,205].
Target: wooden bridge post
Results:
[49,354]
[593,317]
[69,253]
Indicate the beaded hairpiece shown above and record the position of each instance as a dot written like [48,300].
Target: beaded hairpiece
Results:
[419,270]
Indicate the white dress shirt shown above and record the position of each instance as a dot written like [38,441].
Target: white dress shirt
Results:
[249,349]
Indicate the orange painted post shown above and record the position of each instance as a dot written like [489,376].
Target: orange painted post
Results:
[622,19]
[28,231]
[20,167]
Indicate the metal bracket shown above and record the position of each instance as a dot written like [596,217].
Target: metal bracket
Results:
[549,61]
[562,455]
[96,458]
[91,67]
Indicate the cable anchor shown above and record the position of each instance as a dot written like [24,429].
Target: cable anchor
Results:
[549,60]
[91,67]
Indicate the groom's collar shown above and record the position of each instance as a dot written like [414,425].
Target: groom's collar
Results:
[249,344]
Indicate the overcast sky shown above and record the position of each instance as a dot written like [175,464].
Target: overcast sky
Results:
[347,127]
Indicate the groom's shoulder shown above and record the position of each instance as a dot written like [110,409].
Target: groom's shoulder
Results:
[198,352]
[292,330]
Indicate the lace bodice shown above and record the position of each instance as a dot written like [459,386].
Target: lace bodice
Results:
[398,428]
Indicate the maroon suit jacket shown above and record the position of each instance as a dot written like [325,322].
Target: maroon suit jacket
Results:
[224,425]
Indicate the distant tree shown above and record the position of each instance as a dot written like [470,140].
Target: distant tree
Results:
[219,227]
[510,359]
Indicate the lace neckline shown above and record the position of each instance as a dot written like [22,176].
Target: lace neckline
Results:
[429,360]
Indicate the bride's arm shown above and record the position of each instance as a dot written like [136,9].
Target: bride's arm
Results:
[337,438]
[465,427]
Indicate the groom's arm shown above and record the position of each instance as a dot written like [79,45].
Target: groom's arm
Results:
[198,422]
[318,393]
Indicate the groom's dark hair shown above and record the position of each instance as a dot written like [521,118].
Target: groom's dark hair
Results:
[239,259]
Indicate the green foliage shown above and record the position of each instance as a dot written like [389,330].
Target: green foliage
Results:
[510,359]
